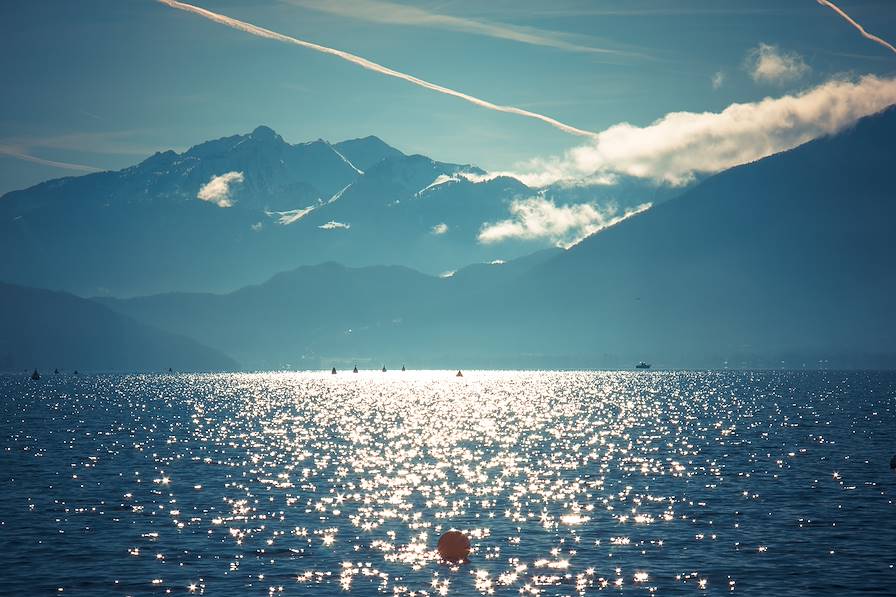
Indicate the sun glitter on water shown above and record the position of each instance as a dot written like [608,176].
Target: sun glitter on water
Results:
[564,483]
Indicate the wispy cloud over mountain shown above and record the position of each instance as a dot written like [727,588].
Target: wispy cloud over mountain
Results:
[219,188]
[565,225]
[681,144]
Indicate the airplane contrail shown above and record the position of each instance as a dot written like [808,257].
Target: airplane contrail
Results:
[20,155]
[369,65]
[861,29]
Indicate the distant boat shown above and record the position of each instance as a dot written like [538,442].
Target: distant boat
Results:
[384,368]
[55,371]
[642,365]
[355,370]
[459,374]
[169,370]
[35,376]
[333,371]
[76,371]
[402,368]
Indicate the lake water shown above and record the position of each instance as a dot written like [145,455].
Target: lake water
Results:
[682,483]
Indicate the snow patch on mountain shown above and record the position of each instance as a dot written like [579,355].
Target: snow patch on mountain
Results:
[440,180]
[334,225]
[339,193]
[346,160]
[291,216]
[476,177]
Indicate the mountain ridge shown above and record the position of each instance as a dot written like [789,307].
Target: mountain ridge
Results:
[234,211]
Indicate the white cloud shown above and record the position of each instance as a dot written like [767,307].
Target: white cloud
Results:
[768,64]
[217,190]
[718,80]
[333,225]
[564,225]
[441,228]
[680,144]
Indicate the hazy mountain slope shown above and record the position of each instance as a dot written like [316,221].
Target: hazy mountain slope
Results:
[791,257]
[298,317]
[48,330]
[480,277]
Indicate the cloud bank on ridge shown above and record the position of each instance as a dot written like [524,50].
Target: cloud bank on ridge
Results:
[681,144]
[565,225]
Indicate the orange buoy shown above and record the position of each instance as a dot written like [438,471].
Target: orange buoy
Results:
[454,546]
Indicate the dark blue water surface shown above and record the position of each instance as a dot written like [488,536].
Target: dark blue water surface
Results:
[754,483]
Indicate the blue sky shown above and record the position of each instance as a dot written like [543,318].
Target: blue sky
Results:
[104,83]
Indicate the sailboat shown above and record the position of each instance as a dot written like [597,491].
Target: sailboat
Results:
[459,374]
[35,376]
[402,368]
[355,370]
[333,371]
[384,368]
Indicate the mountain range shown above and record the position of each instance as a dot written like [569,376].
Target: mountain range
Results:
[787,261]
[237,210]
